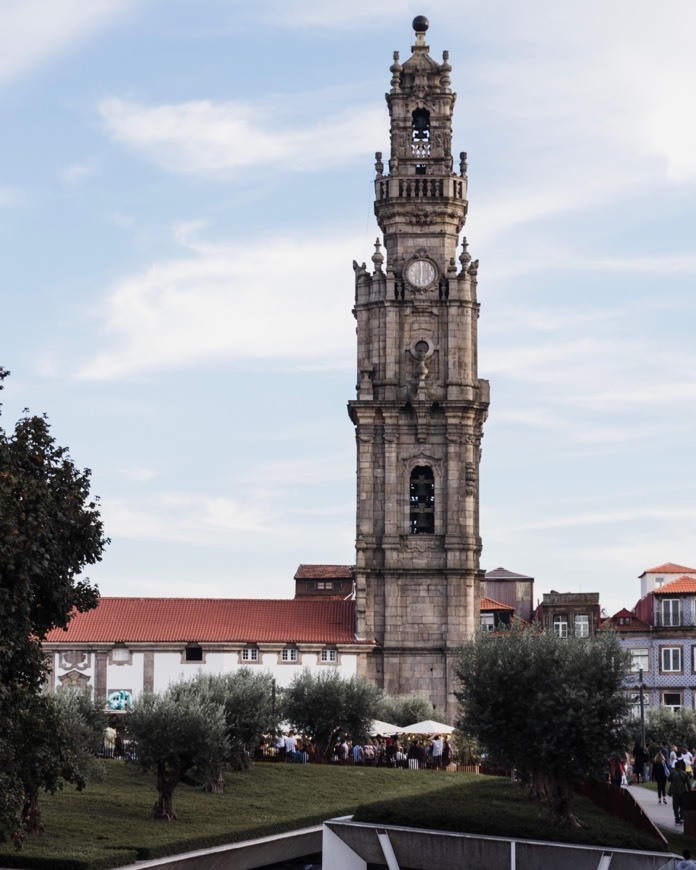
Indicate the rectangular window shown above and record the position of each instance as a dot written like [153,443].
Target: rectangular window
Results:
[194,654]
[670,656]
[250,655]
[560,625]
[329,656]
[289,655]
[488,621]
[582,625]
[672,700]
[120,654]
[670,612]
[640,659]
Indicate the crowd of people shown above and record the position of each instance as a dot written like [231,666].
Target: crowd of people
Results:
[398,751]
[671,768]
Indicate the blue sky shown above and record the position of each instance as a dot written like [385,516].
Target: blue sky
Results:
[183,187]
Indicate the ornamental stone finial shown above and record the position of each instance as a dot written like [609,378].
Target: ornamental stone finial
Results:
[378,256]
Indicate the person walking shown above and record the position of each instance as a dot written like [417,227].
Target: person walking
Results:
[679,785]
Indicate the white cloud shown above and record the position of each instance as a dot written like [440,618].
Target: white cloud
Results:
[32,31]
[77,173]
[225,138]
[284,303]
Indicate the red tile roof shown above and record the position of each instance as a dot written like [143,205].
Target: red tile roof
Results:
[670,568]
[324,572]
[680,586]
[634,625]
[492,604]
[211,620]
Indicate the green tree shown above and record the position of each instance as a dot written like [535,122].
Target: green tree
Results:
[676,729]
[405,709]
[554,708]
[50,530]
[247,699]
[325,705]
[174,733]
[56,738]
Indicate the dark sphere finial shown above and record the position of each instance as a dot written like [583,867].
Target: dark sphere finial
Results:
[420,24]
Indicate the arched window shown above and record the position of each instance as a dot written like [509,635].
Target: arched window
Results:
[420,136]
[422,500]
[421,125]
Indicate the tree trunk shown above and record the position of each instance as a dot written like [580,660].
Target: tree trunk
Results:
[166,783]
[31,813]
[562,801]
[216,783]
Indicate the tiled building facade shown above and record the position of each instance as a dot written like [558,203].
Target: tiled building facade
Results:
[660,634]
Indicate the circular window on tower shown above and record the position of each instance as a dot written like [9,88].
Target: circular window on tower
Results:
[421,348]
[421,273]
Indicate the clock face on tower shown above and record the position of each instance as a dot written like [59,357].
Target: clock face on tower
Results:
[421,273]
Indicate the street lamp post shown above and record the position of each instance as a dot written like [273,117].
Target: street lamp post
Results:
[642,710]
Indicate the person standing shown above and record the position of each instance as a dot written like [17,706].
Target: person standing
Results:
[437,752]
[290,746]
[446,750]
[659,775]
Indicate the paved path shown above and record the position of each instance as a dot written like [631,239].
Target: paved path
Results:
[661,814]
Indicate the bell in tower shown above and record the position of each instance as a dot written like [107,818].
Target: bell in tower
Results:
[420,405]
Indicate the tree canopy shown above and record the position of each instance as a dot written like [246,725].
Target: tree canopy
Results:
[405,709]
[325,705]
[553,708]
[50,530]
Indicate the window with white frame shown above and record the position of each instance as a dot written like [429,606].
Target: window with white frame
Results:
[672,701]
[670,612]
[329,656]
[640,659]
[671,659]
[250,655]
[582,625]
[120,654]
[560,625]
[487,621]
[288,655]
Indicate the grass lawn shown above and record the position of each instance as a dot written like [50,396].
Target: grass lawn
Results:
[109,823]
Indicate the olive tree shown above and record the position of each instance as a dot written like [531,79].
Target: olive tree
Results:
[173,733]
[325,705]
[248,701]
[554,708]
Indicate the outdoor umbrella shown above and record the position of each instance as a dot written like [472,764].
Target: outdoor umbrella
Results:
[428,727]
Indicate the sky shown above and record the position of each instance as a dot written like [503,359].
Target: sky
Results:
[183,188]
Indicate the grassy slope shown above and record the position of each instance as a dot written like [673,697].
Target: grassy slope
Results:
[109,823]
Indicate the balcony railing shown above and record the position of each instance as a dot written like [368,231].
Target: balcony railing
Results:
[674,620]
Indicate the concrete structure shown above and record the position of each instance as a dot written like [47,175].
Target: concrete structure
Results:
[356,846]
[420,405]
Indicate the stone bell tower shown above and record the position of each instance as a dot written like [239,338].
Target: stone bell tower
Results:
[420,404]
